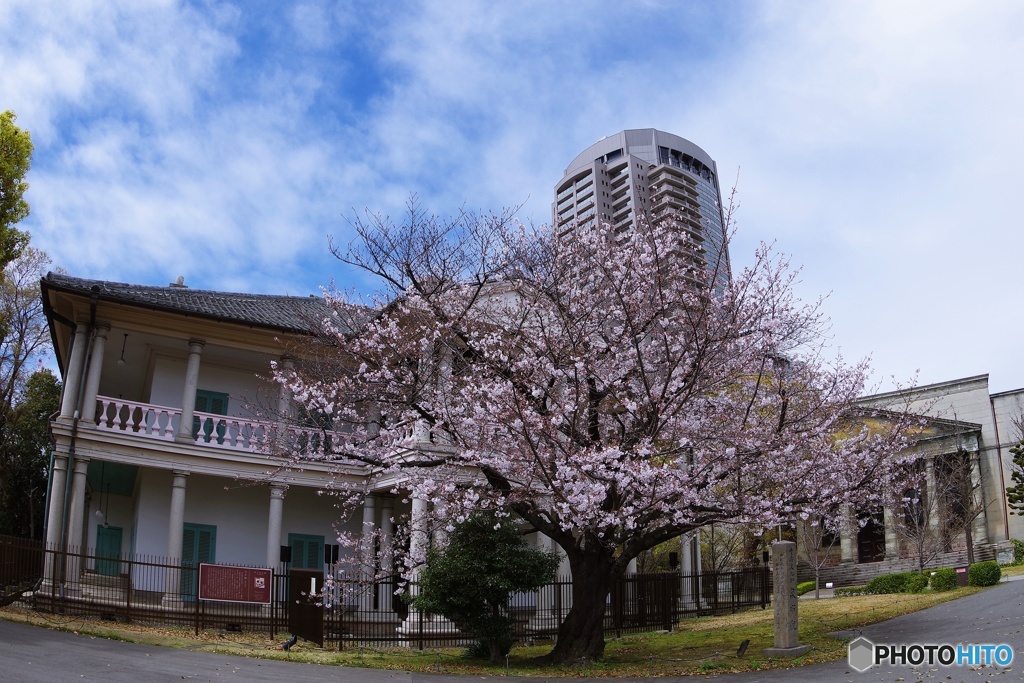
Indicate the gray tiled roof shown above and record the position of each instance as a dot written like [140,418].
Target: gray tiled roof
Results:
[288,313]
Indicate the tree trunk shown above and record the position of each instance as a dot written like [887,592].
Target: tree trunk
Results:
[581,634]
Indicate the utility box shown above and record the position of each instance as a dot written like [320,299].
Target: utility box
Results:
[961,576]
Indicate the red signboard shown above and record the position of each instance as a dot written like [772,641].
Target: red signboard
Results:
[235,584]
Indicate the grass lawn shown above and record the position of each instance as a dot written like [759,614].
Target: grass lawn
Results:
[706,645]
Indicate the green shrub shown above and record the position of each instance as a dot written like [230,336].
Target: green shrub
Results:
[1018,551]
[850,591]
[804,587]
[984,573]
[943,579]
[915,583]
[888,583]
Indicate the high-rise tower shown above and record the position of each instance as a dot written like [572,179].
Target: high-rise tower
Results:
[646,172]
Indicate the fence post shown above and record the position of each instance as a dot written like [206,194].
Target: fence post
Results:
[274,587]
[341,612]
[128,592]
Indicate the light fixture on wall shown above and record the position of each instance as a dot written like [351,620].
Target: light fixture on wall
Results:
[120,361]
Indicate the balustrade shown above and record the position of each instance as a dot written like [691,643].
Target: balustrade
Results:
[208,429]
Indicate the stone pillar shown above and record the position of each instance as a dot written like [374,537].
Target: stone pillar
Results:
[979,532]
[188,398]
[892,541]
[933,500]
[277,492]
[92,379]
[784,599]
[848,537]
[76,522]
[55,514]
[76,366]
[175,532]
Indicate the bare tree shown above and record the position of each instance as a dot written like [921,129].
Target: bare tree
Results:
[818,536]
[935,509]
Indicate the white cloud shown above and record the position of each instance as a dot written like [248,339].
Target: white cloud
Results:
[878,141]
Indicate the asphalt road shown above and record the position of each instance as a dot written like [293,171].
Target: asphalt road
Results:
[36,655]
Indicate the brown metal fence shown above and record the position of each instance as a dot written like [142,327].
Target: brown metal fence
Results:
[151,590]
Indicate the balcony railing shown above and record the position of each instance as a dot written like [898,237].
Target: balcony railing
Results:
[208,429]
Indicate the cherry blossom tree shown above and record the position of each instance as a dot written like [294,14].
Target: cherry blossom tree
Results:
[612,390]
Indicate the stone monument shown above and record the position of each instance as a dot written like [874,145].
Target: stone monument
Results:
[787,641]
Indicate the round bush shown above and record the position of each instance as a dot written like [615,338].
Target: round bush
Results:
[915,583]
[984,573]
[944,579]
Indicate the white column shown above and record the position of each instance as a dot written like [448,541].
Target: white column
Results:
[76,506]
[386,560]
[76,521]
[365,572]
[369,527]
[55,515]
[418,539]
[175,532]
[92,379]
[980,530]
[416,622]
[277,492]
[75,369]
[284,408]
[188,399]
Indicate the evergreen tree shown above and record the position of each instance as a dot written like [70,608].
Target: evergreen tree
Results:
[472,579]
[1015,493]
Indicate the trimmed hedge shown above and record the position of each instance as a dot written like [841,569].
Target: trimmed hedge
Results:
[888,583]
[944,579]
[984,573]
[1018,551]
[804,587]
[850,591]
[915,583]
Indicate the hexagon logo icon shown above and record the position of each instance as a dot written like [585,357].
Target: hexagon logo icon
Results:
[861,654]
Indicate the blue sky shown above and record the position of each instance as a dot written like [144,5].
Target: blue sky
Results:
[879,143]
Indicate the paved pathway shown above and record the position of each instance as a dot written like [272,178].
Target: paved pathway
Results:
[34,655]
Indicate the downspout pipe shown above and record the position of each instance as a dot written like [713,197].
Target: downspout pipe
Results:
[80,393]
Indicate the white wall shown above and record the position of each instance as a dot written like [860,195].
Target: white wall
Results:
[242,386]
